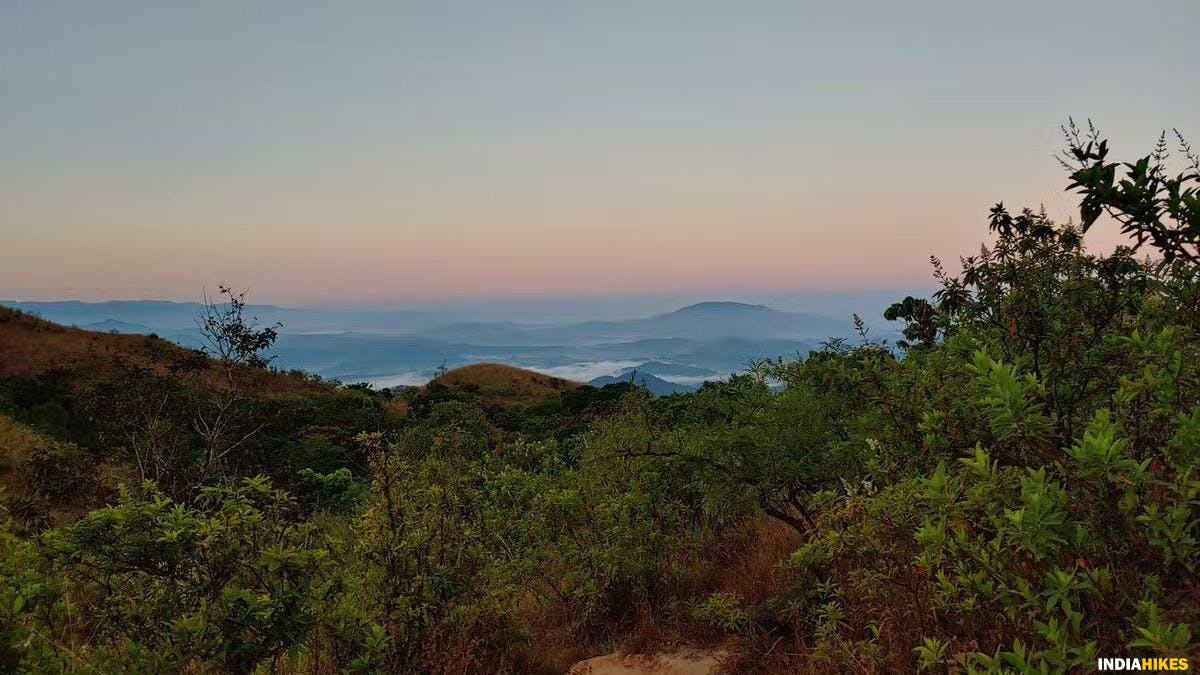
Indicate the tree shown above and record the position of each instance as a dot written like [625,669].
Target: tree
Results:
[1151,205]
[230,581]
[920,320]
[1040,301]
[238,345]
[230,336]
[424,575]
[738,446]
[146,416]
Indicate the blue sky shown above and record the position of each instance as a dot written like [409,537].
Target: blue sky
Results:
[370,152]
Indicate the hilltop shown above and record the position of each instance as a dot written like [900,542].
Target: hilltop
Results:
[724,306]
[501,384]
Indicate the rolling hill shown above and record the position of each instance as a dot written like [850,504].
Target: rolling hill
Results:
[31,346]
[500,384]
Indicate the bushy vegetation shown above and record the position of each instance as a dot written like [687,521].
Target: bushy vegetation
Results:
[1013,488]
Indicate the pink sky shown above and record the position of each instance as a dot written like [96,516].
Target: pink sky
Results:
[399,152]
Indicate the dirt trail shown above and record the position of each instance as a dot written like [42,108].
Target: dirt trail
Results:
[681,662]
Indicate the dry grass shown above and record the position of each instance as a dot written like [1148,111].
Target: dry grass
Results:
[752,565]
[500,384]
[18,444]
[753,569]
[29,346]
[398,406]
[553,642]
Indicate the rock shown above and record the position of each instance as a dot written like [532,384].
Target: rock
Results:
[768,622]
[681,662]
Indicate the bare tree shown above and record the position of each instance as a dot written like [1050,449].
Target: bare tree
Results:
[140,412]
[237,343]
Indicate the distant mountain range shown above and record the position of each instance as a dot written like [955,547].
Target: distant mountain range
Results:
[167,316]
[672,351]
[115,326]
[706,320]
[673,369]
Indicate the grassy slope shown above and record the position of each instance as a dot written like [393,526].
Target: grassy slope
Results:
[29,346]
[500,384]
[19,444]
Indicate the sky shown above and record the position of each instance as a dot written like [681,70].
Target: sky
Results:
[359,152]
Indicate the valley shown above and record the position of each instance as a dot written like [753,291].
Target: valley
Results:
[674,351]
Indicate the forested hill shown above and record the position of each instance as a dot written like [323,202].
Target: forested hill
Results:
[1012,487]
